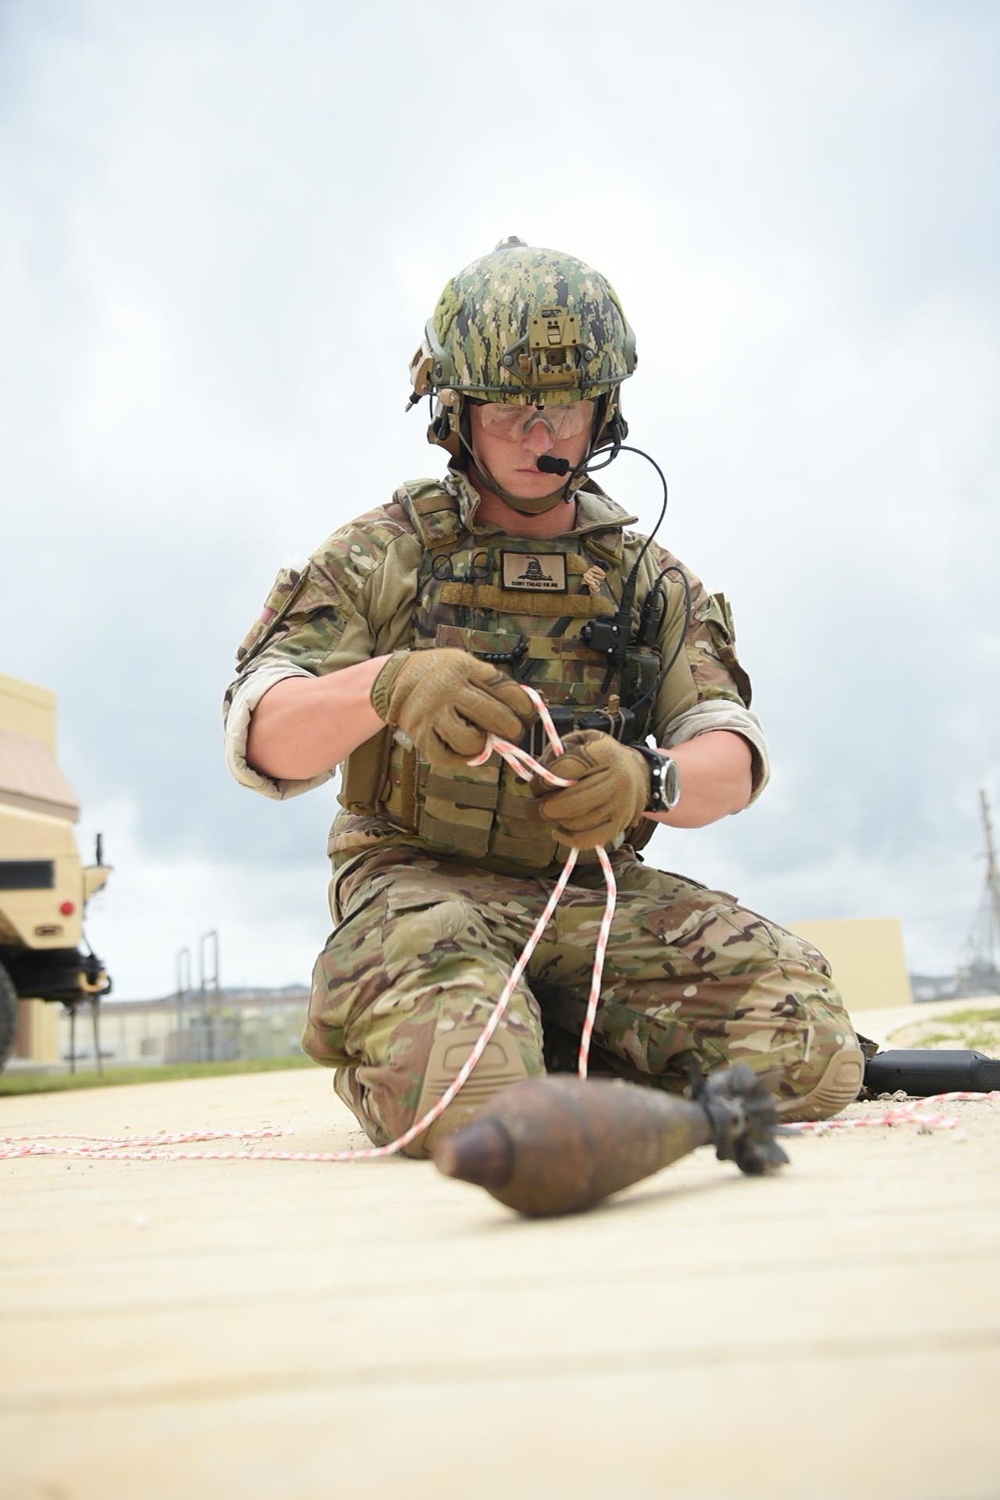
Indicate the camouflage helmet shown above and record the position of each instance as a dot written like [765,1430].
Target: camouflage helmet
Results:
[523,326]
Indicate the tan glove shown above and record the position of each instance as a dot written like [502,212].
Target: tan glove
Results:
[610,793]
[446,702]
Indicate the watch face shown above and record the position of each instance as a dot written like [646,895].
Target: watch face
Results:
[671,785]
[664,779]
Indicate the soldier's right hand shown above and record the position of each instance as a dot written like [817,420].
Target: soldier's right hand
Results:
[447,702]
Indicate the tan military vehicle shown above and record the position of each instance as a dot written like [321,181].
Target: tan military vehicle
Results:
[44,887]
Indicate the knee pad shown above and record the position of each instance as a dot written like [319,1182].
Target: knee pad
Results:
[501,1064]
[837,1088]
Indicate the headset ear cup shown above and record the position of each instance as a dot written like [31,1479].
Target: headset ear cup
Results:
[443,430]
[612,429]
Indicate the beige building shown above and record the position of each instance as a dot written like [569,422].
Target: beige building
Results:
[867,958]
[190,1028]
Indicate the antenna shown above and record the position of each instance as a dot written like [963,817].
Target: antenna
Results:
[979,966]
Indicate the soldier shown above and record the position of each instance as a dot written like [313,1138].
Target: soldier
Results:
[399,649]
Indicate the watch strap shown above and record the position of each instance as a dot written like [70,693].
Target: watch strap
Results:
[664,780]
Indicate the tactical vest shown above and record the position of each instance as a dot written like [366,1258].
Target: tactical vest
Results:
[521,603]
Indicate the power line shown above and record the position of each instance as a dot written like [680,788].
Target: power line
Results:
[979,965]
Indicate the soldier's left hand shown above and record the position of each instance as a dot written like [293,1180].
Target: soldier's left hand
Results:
[609,794]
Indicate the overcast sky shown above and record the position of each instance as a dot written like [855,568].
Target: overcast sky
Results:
[222,227]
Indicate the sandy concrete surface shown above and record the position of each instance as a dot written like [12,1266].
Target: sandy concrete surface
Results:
[262,1328]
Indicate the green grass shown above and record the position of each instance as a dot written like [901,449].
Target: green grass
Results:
[977,1030]
[972,1016]
[88,1078]
[970,1038]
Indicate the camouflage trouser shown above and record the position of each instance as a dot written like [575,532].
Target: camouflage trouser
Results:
[424,946]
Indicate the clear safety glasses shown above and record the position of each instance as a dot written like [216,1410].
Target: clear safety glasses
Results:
[514,422]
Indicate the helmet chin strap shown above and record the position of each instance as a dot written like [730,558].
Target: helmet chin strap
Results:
[537,505]
[524,506]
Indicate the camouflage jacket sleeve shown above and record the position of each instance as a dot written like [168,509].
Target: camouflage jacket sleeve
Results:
[706,687]
[349,603]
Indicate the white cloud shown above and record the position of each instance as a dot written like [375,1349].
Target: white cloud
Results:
[268,910]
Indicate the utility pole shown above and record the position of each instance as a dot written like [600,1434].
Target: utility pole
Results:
[183,962]
[210,977]
[979,967]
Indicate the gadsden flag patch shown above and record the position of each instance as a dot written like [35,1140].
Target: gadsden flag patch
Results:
[535,572]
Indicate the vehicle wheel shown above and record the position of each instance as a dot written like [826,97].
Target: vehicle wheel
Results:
[8,1015]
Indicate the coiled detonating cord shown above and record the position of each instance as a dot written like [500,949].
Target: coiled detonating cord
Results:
[149,1147]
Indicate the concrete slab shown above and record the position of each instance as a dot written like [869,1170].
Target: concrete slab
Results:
[260,1328]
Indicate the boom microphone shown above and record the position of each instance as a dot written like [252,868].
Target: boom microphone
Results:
[550,465]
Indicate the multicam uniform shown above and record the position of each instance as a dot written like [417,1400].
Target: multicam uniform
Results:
[439,878]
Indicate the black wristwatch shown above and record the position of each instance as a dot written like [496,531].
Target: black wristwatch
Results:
[664,779]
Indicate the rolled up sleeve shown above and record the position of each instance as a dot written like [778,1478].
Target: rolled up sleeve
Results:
[719,713]
[245,694]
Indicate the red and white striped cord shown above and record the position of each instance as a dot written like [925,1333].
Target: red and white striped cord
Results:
[151,1148]
[155,1147]
[522,764]
[139,1147]
[910,1113]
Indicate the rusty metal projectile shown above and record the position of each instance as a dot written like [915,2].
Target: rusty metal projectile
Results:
[558,1144]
